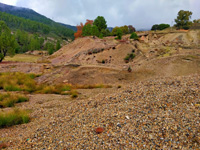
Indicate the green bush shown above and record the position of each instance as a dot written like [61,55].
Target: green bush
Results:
[134,36]
[13,117]
[129,57]
[160,26]
[186,27]
[119,34]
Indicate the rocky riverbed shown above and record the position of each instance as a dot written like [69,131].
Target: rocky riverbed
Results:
[162,113]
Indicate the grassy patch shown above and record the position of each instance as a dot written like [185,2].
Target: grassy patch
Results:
[9,100]
[26,83]
[54,89]
[17,82]
[13,117]
[166,52]
[22,58]
[193,56]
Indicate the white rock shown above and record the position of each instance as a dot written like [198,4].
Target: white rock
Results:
[127,117]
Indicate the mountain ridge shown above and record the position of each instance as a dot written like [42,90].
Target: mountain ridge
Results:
[30,14]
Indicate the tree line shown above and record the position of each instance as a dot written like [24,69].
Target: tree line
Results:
[182,21]
[29,42]
[98,28]
[21,42]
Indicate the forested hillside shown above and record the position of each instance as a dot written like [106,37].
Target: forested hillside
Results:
[33,31]
[24,16]
[32,15]
[15,22]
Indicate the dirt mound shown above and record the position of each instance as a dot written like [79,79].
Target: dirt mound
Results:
[80,46]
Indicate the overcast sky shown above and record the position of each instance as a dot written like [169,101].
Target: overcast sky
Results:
[142,14]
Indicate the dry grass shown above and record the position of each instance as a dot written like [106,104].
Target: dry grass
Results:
[26,83]
[9,100]
[22,58]
[54,89]
[17,82]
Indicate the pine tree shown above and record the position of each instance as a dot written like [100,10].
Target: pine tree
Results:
[7,41]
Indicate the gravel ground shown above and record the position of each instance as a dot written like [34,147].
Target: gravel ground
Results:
[161,113]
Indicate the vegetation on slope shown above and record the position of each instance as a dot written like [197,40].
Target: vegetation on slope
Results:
[15,23]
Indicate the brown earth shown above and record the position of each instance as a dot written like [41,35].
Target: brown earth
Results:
[91,60]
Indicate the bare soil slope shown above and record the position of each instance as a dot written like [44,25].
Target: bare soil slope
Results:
[91,60]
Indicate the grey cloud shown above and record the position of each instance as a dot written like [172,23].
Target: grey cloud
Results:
[139,13]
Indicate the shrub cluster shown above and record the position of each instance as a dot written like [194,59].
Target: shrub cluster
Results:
[17,82]
[13,117]
[160,26]
[129,57]
[9,100]
[134,36]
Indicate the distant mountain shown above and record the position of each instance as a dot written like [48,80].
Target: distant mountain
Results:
[144,29]
[110,28]
[69,26]
[34,16]
[25,13]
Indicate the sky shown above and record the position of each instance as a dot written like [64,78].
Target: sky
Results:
[142,14]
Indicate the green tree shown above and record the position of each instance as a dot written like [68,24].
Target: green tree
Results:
[196,21]
[35,43]
[49,47]
[155,27]
[95,31]
[114,31]
[119,34]
[163,26]
[183,19]
[22,39]
[134,36]
[124,29]
[105,32]
[160,26]
[7,41]
[87,30]
[100,22]
[101,36]
[58,46]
